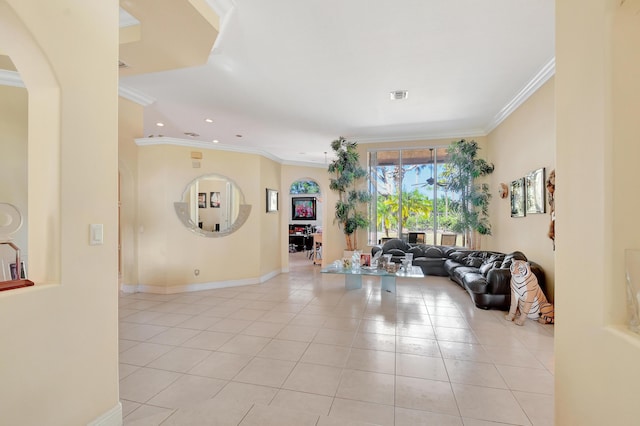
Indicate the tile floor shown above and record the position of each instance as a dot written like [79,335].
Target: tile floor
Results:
[300,350]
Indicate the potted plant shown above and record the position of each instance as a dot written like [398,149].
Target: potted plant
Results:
[461,171]
[348,174]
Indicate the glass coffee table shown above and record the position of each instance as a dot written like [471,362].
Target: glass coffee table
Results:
[353,278]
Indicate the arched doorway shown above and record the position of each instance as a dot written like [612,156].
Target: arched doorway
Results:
[305,222]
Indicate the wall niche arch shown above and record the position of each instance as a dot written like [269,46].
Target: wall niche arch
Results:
[41,214]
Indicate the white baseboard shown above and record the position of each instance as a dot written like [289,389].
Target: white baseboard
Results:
[158,289]
[113,417]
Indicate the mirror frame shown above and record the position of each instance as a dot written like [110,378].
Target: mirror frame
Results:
[182,210]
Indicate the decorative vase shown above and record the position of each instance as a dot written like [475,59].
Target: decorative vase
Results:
[355,261]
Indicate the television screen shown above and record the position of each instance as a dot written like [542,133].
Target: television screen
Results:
[303,208]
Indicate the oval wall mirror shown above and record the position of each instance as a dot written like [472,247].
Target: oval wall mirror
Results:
[212,206]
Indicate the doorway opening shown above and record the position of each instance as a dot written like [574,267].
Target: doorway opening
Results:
[305,223]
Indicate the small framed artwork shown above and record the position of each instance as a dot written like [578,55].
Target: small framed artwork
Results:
[202,200]
[517,198]
[214,200]
[535,189]
[303,208]
[272,200]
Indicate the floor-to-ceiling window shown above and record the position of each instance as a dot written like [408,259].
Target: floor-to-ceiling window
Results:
[409,197]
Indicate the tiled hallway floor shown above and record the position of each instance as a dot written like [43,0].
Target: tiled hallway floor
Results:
[301,350]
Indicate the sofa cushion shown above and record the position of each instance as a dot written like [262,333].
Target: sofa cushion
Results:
[433,252]
[509,258]
[475,282]
[395,252]
[458,256]
[485,267]
[476,262]
[447,250]
[416,251]
[431,266]
[395,244]
[462,271]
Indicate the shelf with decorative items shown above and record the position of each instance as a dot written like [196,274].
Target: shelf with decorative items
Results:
[11,223]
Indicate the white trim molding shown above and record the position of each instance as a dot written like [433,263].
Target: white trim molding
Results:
[186,288]
[529,89]
[135,95]
[165,140]
[469,133]
[11,78]
[113,417]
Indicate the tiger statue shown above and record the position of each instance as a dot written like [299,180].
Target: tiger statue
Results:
[527,296]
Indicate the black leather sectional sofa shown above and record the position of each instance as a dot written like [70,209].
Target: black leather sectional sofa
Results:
[484,275]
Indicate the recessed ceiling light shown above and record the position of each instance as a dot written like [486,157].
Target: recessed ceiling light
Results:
[216,141]
[208,120]
[398,95]
[159,124]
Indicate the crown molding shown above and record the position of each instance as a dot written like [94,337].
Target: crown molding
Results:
[126,19]
[135,95]
[529,89]
[469,133]
[163,140]
[221,7]
[304,164]
[11,78]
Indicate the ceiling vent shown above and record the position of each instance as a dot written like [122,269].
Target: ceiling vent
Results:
[398,95]
[192,134]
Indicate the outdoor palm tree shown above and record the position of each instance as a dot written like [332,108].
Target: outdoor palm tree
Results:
[413,204]
[385,214]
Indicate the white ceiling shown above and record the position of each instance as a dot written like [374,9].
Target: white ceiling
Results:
[292,75]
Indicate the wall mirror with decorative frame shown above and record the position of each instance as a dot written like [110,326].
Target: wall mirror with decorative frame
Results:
[225,212]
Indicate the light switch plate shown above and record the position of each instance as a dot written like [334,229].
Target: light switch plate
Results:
[96,234]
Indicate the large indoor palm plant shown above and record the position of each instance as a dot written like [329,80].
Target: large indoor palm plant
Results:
[348,175]
[461,171]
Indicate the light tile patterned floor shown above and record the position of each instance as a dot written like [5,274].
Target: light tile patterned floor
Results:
[301,350]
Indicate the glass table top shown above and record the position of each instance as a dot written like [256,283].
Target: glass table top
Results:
[415,272]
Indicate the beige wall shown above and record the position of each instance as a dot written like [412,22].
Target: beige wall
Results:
[168,253]
[524,142]
[130,127]
[59,339]
[597,104]
[271,234]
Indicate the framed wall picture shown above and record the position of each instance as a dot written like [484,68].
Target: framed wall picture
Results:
[272,200]
[214,200]
[535,189]
[202,200]
[517,198]
[303,208]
